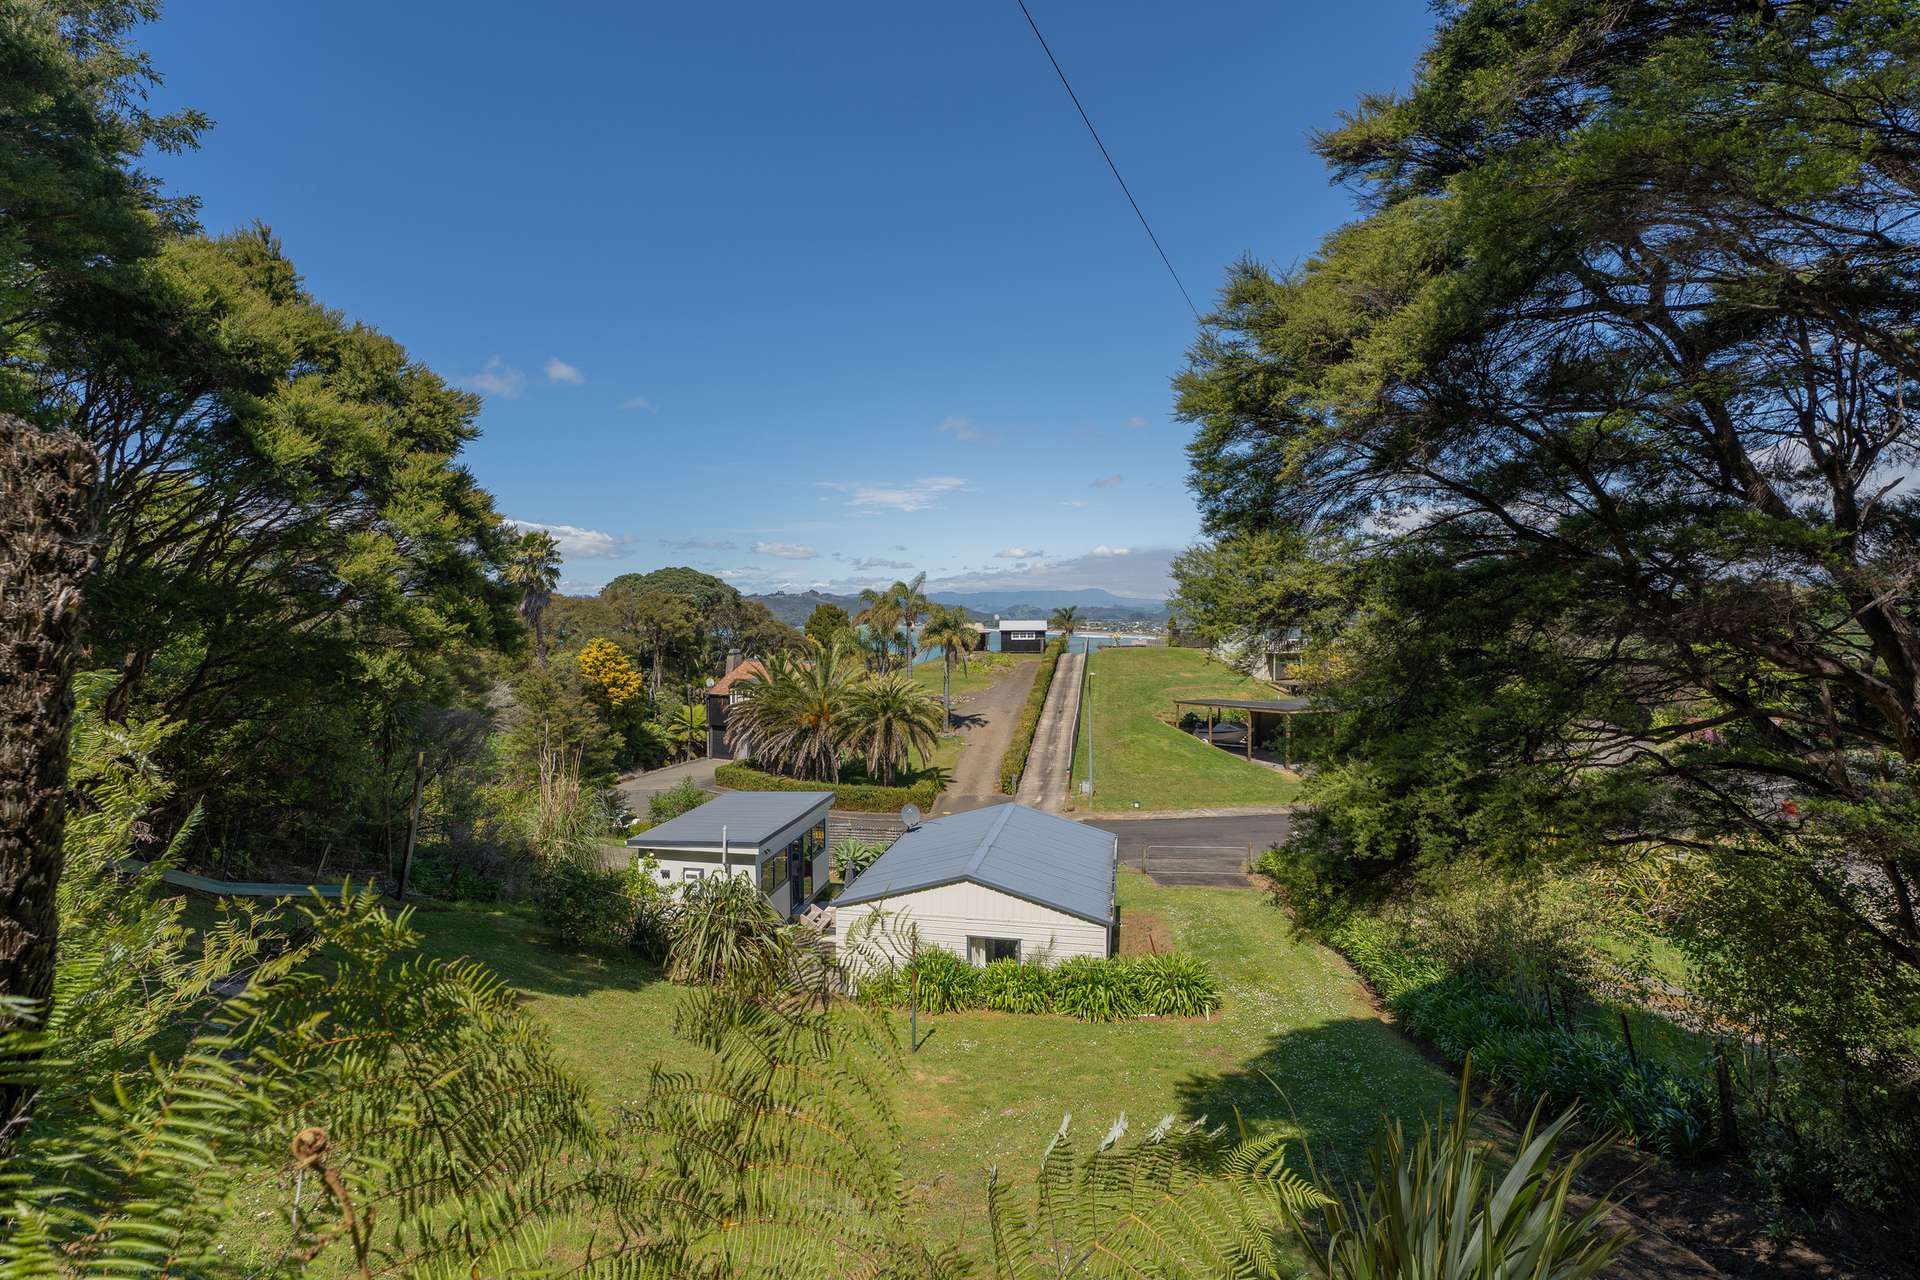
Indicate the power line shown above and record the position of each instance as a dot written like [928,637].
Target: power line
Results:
[1109,158]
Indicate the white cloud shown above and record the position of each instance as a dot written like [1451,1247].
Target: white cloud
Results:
[1136,421]
[867,564]
[1074,502]
[577,543]
[785,550]
[637,402]
[697,544]
[496,378]
[1107,482]
[1017,553]
[916,495]
[961,429]
[559,370]
[1105,552]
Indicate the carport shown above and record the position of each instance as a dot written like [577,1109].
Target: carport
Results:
[1282,710]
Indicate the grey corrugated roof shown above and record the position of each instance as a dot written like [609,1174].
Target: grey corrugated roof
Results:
[749,817]
[1009,847]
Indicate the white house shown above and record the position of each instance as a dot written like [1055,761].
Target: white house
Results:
[1001,883]
[778,839]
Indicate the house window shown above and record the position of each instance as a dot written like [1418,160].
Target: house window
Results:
[984,951]
[773,872]
[692,873]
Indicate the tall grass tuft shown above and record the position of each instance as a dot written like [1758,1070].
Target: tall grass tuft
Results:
[1008,986]
[1094,990]
[1174,986]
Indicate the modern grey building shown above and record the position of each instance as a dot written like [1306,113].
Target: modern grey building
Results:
[777,839]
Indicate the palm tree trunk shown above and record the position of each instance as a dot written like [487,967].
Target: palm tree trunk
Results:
[946,685]
[47,525]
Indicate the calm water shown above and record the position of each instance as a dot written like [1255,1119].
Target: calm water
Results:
[1081,640]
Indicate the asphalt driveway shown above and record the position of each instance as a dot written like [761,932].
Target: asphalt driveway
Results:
[1210,852]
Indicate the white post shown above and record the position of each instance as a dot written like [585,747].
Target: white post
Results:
[726,859]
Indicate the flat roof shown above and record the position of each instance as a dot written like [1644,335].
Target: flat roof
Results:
[748,818]
[1031,855]
[1025,624]
[1284,705]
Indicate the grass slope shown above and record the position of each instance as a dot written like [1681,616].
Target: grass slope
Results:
[1141,756]
[989,1088]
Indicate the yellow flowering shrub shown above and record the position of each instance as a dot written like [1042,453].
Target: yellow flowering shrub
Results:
[608,673]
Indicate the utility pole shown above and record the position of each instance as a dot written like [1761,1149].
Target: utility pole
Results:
[1086,656]
[413,822]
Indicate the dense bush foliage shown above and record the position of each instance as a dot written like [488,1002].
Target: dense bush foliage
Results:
[1525,1051]
[856,797]
[1085,987]
[682,797]
[1014,763]
[582,905]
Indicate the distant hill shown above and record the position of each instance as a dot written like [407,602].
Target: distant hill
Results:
[1095,603]
[1040,601]
[795,607]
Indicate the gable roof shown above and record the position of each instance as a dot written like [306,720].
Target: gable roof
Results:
[748,819]
[751,669]
[1023,624]
[1019,851]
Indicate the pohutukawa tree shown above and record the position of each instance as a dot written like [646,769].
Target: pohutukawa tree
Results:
[1615,380]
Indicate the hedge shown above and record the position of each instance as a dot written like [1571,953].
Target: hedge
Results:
[1085,987]
[861,797]
[1014,763]
[1523,1053]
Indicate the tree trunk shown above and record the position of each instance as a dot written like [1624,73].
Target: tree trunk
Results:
[46,534]
[946,686]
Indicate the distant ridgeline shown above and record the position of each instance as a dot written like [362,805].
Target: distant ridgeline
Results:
[1095,605]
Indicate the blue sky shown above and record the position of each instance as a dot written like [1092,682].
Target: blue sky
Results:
[798,294]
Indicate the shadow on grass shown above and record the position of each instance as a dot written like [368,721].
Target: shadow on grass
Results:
[1331,1084]
[512,944]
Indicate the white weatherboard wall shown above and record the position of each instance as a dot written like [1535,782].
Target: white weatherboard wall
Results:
[951,913]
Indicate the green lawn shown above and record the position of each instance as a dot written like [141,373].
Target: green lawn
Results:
[1140,754]
[983,670]
[990,1088]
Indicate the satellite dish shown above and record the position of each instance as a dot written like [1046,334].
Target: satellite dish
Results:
[910,816]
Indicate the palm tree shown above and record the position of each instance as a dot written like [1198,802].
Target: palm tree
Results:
[881,617]
[794,718]
[535,569]
[949,628]
[685,729]
[1065,620]
[888,718]
[912,604]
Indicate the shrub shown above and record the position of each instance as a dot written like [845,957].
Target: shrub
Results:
[1524,1053]
[1174,986]
[586,906]
[724,932]
[947,983]
[853,796]
[682,797]
[1095,990]
[1008,986]
[1014,763]
[452,881]
[855,856]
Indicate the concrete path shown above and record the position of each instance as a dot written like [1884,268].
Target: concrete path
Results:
[635,790]
[1050,763]
[1206,851]
[986,720]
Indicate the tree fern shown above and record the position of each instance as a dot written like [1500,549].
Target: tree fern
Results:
[1150,1207]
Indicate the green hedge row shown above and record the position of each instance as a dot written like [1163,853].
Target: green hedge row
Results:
[860,797]
[1014,763]
[1525,1054]
[1091,989]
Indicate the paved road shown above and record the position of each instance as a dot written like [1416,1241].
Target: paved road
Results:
[1195,851]
[635,791]
[986,722]
[1050,763]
